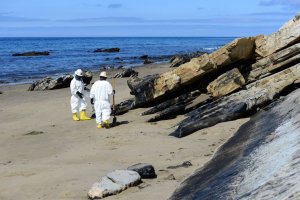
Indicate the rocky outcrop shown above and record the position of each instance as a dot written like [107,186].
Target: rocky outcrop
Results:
[227,83]
[239,78]
[286,36]
[49,83]
[178,60]
[260,161]
[126,73]
[239,104]
[149,89]
[109,50]
[114,183]
[32,53]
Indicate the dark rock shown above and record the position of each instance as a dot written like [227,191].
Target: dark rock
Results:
[178,60]
[144,57]
[240,169]
[144,170]
[238,104]
[34,133]
[1,92]
[124,107]
[126,73]
[49,83]
[120,67]
[109,50]
[185,164]
[147,61]
[118,58]
[32,53]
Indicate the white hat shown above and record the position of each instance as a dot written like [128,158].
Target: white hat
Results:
[79,72]
[103,74]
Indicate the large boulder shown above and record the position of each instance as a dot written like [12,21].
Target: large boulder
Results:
[228,82]
[32,53]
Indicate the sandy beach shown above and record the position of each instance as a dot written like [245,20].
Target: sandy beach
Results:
[46,155]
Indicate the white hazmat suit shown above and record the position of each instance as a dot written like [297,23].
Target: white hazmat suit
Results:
[76,102]
[100,92]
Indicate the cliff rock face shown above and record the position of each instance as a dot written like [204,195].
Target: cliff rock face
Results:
[261,160]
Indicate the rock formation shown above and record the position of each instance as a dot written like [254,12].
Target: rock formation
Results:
[239,78]
[261,160]
[178,60]
[32,53]
[109,50]
[126,73]
[49,83]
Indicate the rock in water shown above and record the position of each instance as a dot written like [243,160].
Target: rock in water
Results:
[32,53]
[144,170]
[109,50]
[114,183]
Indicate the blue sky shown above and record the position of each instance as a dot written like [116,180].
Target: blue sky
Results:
[212,18]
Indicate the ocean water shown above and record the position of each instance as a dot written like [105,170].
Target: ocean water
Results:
[68,54]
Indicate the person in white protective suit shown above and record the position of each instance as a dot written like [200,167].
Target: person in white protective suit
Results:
[78,102]
[100,92]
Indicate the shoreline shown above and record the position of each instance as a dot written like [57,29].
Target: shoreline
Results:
[66,157]
[93,71]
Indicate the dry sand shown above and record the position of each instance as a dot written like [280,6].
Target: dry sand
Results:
[64,158]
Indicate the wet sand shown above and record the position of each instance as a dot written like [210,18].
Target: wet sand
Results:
[45,155]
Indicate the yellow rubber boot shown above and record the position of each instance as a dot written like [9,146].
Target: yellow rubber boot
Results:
[83,116]
[105,124]
[75,118]
[99,126]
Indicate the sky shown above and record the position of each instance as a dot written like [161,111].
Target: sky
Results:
[143,18]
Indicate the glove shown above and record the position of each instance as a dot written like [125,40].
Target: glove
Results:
[114,92]
[92,101]
[80,95]
[86,89]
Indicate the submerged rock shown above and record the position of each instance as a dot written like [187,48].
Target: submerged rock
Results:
[109,50]
[32,53]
